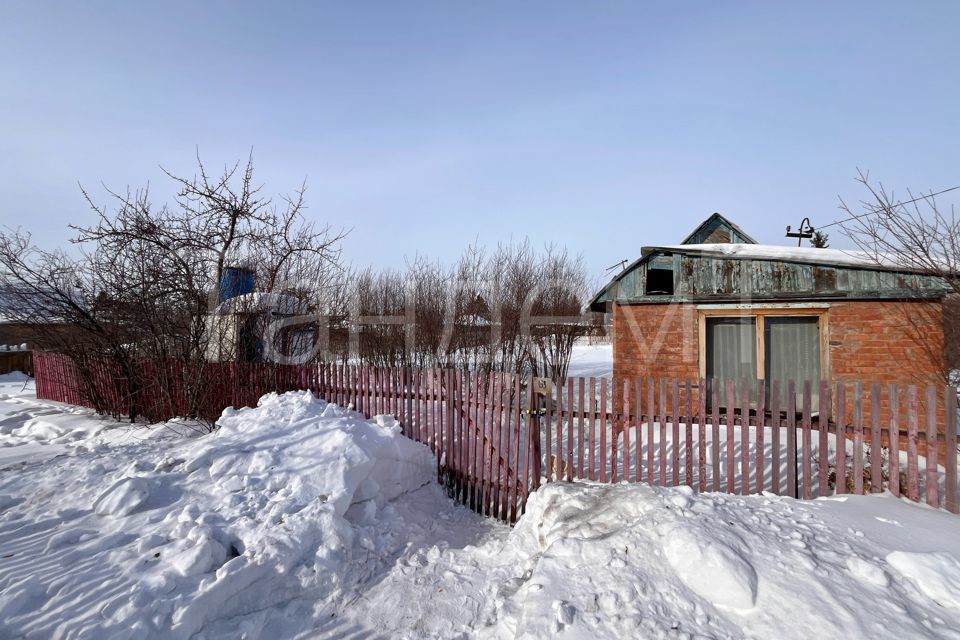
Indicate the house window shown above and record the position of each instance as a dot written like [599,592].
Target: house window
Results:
[774,344]
[731,349]
[659,282]
[792,351]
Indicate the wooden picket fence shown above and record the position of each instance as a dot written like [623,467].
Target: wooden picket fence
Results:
[496,440]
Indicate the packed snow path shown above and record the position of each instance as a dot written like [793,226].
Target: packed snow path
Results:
[298,519]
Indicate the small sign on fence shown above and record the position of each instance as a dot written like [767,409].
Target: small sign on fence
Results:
[541,386]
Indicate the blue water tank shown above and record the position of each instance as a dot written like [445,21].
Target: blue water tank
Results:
[235,281]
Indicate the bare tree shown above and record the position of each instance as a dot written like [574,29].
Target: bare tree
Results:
[143,287]
[920,234]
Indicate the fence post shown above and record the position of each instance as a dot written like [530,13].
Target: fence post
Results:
[950,464]
[792,486]
[913,420]
[603,429]
[932,484]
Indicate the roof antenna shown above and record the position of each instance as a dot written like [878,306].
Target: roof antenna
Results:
[621,264]
[805,232]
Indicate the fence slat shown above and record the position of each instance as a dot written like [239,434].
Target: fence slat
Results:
[501,457]
[876,446]
[581,413]
[614,437]
[688,435]
[662,414]
[626,430]
[840,475]
[571,407]
[950,463]
[591,454]
[823,446]
[760,451]
[745,437]
[792,439]
[514,488]
[603,430]
[533,449]
[701,434]
[638,410]
[913,420]
[807,442]
[731,452]
[858,438]
[557,462]
[476,440]
[893,439]
[548,439]
[651,410]
[932,484]
[675,432]
[715,444]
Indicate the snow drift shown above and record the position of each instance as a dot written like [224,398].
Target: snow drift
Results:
[283,500]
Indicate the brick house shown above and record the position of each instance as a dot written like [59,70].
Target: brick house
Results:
[721,306]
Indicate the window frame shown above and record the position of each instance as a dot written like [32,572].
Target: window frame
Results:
[759,313]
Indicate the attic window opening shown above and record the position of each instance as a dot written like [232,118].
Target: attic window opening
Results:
[659,282]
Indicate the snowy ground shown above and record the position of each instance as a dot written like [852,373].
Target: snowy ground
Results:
[591,360]
[299,519]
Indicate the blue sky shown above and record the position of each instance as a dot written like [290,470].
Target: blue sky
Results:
[422,126]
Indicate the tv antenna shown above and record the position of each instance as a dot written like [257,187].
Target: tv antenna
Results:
[805,232]
[621,265]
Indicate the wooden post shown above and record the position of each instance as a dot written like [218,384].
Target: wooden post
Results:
[614,439]
[603,430]
[950,464]
[932,484]
[761,427]
[841,439]
[731,425]
[651,419]
[581,412]
[792,439]
[626,430]
[893,439]
[822,440]
[662,413]
[548,438]
[688,435]
[745,437]
[913,424]
[513,464]
[638,410]
[715,443]
[876,444]
[592,444]
[570,409]
[701,435]
[858,437]
[807,442]
[675,432]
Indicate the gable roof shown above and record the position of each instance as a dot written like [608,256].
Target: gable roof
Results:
[717,222]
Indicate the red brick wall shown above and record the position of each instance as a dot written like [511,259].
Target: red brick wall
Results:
[886,342]
[870,341]
[655,340]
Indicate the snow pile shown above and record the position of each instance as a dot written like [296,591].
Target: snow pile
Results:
[635,561]
[162,539]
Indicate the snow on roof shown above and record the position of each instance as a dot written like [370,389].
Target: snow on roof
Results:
[18,304]
[807,255]
[278,303]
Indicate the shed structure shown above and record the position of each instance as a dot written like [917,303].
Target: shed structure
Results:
[735,309]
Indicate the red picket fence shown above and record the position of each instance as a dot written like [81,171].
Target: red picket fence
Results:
[495,440]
